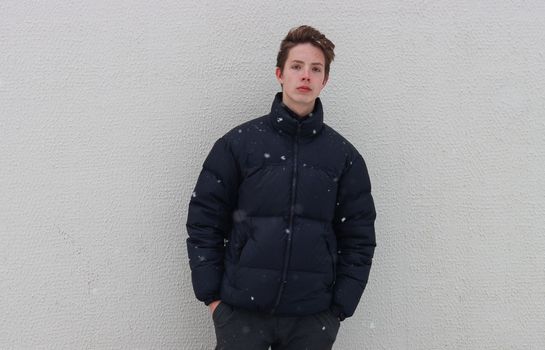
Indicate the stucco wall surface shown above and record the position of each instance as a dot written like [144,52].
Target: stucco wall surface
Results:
[107,110]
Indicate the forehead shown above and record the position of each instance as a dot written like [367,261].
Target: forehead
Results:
[306,52]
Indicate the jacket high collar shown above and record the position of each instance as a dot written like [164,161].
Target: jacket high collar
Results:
[281,118]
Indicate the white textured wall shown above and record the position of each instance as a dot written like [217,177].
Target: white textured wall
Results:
[107,110]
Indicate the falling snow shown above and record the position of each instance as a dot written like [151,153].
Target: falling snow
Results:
[239,215]
[194,194]
[283,157]
[279,119]
[266,155]
[343,219]
[239,131]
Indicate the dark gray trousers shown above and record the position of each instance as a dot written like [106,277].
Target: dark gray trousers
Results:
[242,329]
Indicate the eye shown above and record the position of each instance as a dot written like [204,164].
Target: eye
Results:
[295,66]
[316,69]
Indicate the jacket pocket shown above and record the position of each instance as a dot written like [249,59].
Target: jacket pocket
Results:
[239,247]
[241,243]
[331,254]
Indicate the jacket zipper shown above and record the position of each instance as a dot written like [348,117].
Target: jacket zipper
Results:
[289,234]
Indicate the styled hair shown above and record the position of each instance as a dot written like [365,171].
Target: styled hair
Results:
[302,35]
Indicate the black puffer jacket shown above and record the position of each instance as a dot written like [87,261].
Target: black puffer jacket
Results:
[282,218]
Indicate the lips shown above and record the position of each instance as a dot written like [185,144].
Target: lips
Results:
[304,88]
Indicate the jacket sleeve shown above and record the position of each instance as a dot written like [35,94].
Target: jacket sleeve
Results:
[355,231]
[209,220]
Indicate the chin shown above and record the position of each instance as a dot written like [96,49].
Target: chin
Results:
[303,98]
[308,99]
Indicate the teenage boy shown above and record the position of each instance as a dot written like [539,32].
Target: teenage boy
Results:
[281,221]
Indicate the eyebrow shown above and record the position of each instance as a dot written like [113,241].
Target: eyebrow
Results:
[315,63]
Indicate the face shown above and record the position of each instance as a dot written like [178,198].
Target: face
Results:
[303,77]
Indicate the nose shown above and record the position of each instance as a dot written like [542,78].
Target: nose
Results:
[306,75]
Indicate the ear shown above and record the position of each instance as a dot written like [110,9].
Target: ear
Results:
[278,73]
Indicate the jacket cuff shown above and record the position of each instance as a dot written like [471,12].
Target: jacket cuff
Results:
[210,300]
[337,312]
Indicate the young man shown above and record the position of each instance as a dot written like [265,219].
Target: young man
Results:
[281,222]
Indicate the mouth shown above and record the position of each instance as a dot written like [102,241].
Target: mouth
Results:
[304,89]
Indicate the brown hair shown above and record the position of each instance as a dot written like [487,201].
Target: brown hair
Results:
[301,35]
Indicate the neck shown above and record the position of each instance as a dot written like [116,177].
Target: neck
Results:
[299,110]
